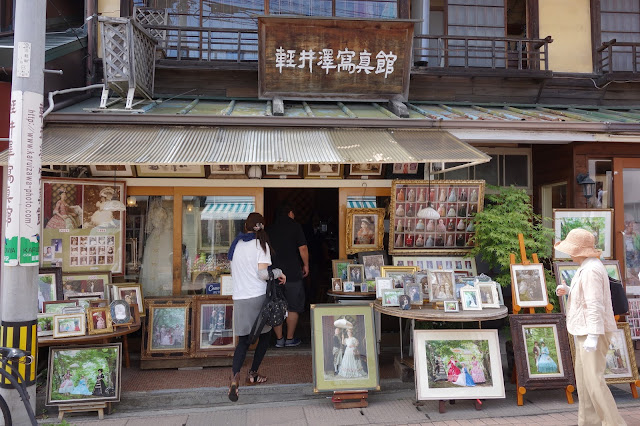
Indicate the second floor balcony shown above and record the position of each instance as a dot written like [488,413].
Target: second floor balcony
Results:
[617,57]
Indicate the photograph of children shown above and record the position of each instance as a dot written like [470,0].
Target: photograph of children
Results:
[404,302]
[414,291]
[355,273]
[441,285]
[458,363]
[542,351]
[344,347]
[336,284]
[168,328]
[528,280]
[216,326]
[372,264]
[348,286]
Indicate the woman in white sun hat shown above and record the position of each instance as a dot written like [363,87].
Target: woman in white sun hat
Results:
[590,319]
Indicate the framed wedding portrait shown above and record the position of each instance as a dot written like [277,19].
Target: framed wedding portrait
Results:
[365,230]
[597,221]
[541,350]
[457,364]
[344,355]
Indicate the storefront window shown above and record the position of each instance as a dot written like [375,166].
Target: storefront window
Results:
[600,171]
[209,225]
[631,227]
[149,244]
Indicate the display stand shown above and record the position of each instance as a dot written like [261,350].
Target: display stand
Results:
[350,399]
[77,408]
[521,390]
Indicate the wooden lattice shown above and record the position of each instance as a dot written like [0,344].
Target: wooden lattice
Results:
[149,16]
[128,55]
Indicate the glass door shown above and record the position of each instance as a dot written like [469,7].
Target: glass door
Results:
[626,182]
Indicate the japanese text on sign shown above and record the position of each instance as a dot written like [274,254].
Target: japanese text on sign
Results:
[343,61]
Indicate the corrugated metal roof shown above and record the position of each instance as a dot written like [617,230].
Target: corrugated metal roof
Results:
[105,144]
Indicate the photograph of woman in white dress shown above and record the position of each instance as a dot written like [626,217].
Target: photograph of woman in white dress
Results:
[351,366]
[345,356]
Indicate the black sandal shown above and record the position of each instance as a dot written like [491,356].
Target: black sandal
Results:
[233,387]
[253,378]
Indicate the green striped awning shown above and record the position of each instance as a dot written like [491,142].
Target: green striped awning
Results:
[233,211]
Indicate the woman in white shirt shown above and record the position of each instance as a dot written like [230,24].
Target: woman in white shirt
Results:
[250,257]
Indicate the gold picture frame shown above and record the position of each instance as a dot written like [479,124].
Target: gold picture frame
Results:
[62,325]
[370,230]
[456,201]
[93,318]
[397,273]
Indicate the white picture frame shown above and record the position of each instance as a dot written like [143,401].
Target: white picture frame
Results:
[451,306]
[488,294]
[382,284]
[226,285]
[529,285]
[441,285]
[598,221]
[390,297]
[348,286]
[470,298]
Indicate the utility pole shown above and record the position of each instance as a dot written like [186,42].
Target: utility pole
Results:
[22,227]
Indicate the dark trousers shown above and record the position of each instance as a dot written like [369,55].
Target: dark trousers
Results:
[241,352]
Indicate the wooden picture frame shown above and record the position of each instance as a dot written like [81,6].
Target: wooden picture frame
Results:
[56,306]
[455,200]
[282,171]
[398,274]
[470,298]
[441,285]
[323,171]
[355,273]
[214,331]
[529,285]
[170,170]
[117,170]
[372,262]
[443,357]
[365,230]
[339,267]
[365,169]
[79,283]
[69,325]
[336,284]
[85,226]
[598,221]
[488,294]
[174,319]
[533,370]
[99,320]
[566,271]
[49,286]
[130,293]
[65,362]
[325,319]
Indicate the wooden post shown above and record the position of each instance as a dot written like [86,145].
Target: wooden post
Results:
[524,261]
[350,399]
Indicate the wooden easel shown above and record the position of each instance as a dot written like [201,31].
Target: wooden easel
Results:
[521,390]
[77,408]
[350,399]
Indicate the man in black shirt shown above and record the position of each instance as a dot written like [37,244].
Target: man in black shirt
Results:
[289,247]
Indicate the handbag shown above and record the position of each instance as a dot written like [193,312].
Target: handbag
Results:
[273,311]
[618,297]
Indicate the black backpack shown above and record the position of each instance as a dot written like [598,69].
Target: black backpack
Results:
[273,311]
[618,297]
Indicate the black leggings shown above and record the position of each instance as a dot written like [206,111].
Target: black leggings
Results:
[241,352]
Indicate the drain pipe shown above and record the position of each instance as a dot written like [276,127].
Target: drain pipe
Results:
[61,92]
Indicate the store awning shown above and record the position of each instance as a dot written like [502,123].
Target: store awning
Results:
[144,144]
[361,202]
[228,211]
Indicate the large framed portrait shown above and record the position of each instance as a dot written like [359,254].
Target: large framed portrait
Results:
[80,284]
[213,320]
[460,264]
[344,352]
[74,219]
[81,374]
[49,286]
[597,221]
[456,202]
[441,285]
[118,170]
[365,230]
[324,170]
[541,350]
[168,327]
[339,267]
[400,274]
[130,293]
[566,270]
[170,170]
[372,262]
[529,285]
[458,364]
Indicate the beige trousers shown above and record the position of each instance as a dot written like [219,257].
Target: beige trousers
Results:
[596,405]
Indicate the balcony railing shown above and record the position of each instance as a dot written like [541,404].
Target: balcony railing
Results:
[618,56]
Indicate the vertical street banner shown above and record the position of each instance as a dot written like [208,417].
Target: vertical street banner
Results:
[22,234]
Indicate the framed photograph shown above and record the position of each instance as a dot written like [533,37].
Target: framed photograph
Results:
[365,230]
[340,268]
[382,284]
[336,284]
[168,327]
[84,302]
[49,286]
[441,285]
[72,212]
[405,168]
[170,170]
[355,273]
[451,306]
[56,306]
[69,325]
[45,325]
[404,302]
[365,169]
[529,285]
[372,263]
[84,374]
[116,170]
[414,291]
[213,319]
[458,263]
[368,287]
[598,221]
[227,169]
[344,352]
[566,270]
[99,320]
[541,350]
[277,170]
[98,303]
[120,312]
[390,297]
[422,278]
[324,170]
[488,295]
[458,364]
[348,286]
[79,284]
[470,298]
[456,201]
[130,293]
[226,285]
[400,274]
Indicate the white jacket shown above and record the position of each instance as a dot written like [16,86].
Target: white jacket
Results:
[589,309]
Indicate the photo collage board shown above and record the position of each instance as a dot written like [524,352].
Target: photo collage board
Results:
[455,201]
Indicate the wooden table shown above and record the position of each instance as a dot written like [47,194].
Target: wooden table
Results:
[122,331]
[352,298]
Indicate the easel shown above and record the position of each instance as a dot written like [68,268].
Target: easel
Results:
[77,408]
[521,390]
[350,399]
